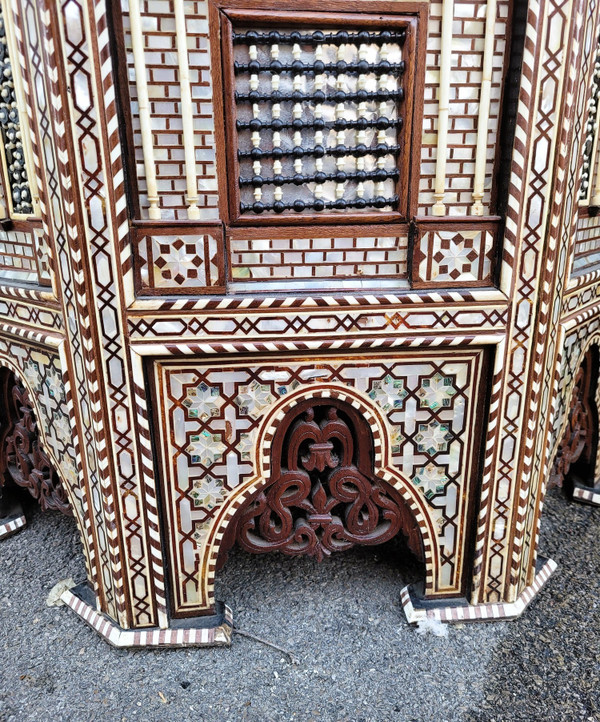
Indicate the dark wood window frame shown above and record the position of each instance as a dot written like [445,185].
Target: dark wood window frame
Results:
[410,17]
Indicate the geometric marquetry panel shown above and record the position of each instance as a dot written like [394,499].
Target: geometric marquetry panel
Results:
[318,261]
[24,256]
[455,256]
[180,263]
[587,245]
[17,257]
[212,413]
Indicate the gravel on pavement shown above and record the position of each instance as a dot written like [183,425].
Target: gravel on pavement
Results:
[358,658]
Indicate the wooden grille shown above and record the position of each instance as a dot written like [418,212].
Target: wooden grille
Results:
[319,117]
[10,129]
[591,131]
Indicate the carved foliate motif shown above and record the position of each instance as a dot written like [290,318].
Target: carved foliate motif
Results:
[323,497]
[22,458]
[577,451]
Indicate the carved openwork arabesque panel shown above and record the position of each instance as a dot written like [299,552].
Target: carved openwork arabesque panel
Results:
[576,457]
[22,458]
[42,370]
[323,496]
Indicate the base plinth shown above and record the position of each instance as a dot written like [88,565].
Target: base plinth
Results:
[445,610]
[209,631]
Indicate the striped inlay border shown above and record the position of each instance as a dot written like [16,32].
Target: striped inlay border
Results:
[587,495]
[478,612]
[12,526]
[219,636]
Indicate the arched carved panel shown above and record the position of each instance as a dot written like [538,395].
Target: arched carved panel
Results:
[22,459]
[221,419]
[323,496]
[575,459]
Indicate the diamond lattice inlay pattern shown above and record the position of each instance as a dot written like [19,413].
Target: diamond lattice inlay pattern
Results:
[319,119]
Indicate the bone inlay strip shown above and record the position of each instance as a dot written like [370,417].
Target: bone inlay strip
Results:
[137,44]
[187,112]
[439,208]
[484,109]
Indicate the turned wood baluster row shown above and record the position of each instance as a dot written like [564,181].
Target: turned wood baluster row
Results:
[439,206]
[187,110]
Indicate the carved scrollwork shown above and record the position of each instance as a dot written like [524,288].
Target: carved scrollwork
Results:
[577,451]
[22,458]
[324,497]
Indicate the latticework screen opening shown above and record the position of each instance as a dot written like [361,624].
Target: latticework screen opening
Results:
[319,118]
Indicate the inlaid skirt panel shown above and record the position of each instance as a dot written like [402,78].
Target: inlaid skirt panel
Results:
[212,414]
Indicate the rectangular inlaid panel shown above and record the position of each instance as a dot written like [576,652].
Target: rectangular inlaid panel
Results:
[160,55]
[24,257]
[587,245]
[468,29]
[212,412]
[180,263]
[321,258]
[457,256]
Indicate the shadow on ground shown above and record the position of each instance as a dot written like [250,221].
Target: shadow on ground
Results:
[548,665]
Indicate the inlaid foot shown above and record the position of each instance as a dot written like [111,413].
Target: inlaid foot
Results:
[445,610]
[587,494]
[12,520]
[209,631]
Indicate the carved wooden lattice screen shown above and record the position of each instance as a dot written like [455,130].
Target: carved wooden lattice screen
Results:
[13,151]
[319,114]
[318,119]
[323,496]
[22,458]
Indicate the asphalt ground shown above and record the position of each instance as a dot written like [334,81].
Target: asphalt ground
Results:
[358,659]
